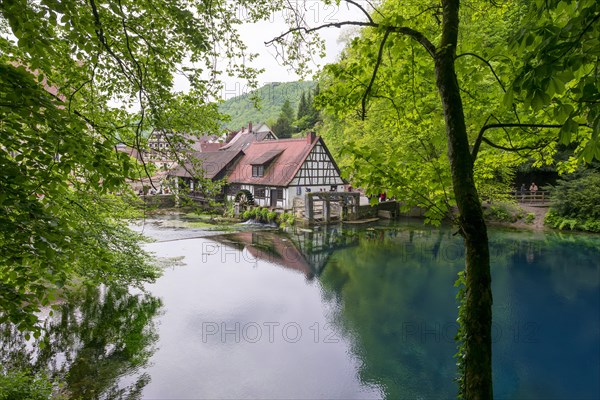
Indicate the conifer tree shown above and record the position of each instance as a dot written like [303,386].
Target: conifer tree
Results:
[283,127]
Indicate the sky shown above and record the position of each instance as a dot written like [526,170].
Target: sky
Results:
[255,36]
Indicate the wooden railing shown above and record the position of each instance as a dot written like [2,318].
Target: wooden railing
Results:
[538,197]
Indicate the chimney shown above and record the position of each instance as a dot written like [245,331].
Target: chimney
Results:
[250,127]
[310,137]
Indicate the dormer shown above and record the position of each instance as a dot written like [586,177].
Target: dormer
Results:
[262,162]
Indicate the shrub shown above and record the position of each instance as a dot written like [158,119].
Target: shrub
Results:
[15,385]
[529,218]
[591,225]
[286,219]
[575,202]
[254,213]
[271,216]
[503,212]
[264,215]
[261,214]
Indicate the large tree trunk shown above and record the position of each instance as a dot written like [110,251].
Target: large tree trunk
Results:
[478,301]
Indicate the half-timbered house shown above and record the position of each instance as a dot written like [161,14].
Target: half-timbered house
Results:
[216,161]
[277,172]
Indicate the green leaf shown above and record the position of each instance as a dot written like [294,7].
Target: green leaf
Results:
[569,128]
[557,85]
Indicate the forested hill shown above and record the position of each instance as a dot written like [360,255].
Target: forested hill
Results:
[272,96]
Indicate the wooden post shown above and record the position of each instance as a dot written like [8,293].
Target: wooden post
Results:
[309,208]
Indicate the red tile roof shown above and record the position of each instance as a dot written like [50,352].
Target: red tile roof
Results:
[210,164]
[266,157]
[292,153]
[244,137]
[205,147]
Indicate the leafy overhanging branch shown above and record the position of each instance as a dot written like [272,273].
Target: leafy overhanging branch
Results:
[480,137]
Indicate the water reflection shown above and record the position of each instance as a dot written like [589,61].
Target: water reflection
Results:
[98,336]
[395,299]
[371,313]
[305,251]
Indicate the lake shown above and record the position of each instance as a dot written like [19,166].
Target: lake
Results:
[346,312]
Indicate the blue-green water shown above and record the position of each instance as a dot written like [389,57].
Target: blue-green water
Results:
[342,313]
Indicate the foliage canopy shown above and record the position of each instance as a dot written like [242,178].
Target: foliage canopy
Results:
[520,104]
[77,79]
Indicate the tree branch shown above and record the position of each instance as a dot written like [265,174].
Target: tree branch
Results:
[374,75]
[418,36]
[537,146]
[361,8]
[477,143]
[412,33]
[309,30]
[100,35]
[484,128]
[486,62]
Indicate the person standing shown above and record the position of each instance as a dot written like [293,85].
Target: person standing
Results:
[533,189]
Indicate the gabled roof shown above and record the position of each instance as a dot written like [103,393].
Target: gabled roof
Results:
[211,162]
[292,153]
[245,136]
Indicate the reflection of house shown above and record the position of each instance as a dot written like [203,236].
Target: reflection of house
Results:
[307,253]
[275,171]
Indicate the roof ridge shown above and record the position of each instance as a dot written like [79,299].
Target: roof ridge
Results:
[281,140]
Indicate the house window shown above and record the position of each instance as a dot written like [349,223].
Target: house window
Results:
[333,188]
[279,194]
[298,190]
[258,171]
[259,192]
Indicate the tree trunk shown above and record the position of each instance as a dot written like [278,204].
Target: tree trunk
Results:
[478,297]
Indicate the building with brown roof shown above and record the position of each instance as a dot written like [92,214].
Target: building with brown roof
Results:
[162,147]
[275,171]
[250,134]
[278,171]
[216,161]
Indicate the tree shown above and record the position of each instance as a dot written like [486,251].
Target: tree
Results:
[308,115]
[283,126]
[425,38]
[302,106]
[77,79]
[312,114]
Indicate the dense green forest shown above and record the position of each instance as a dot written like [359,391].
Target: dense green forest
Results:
[269,98]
